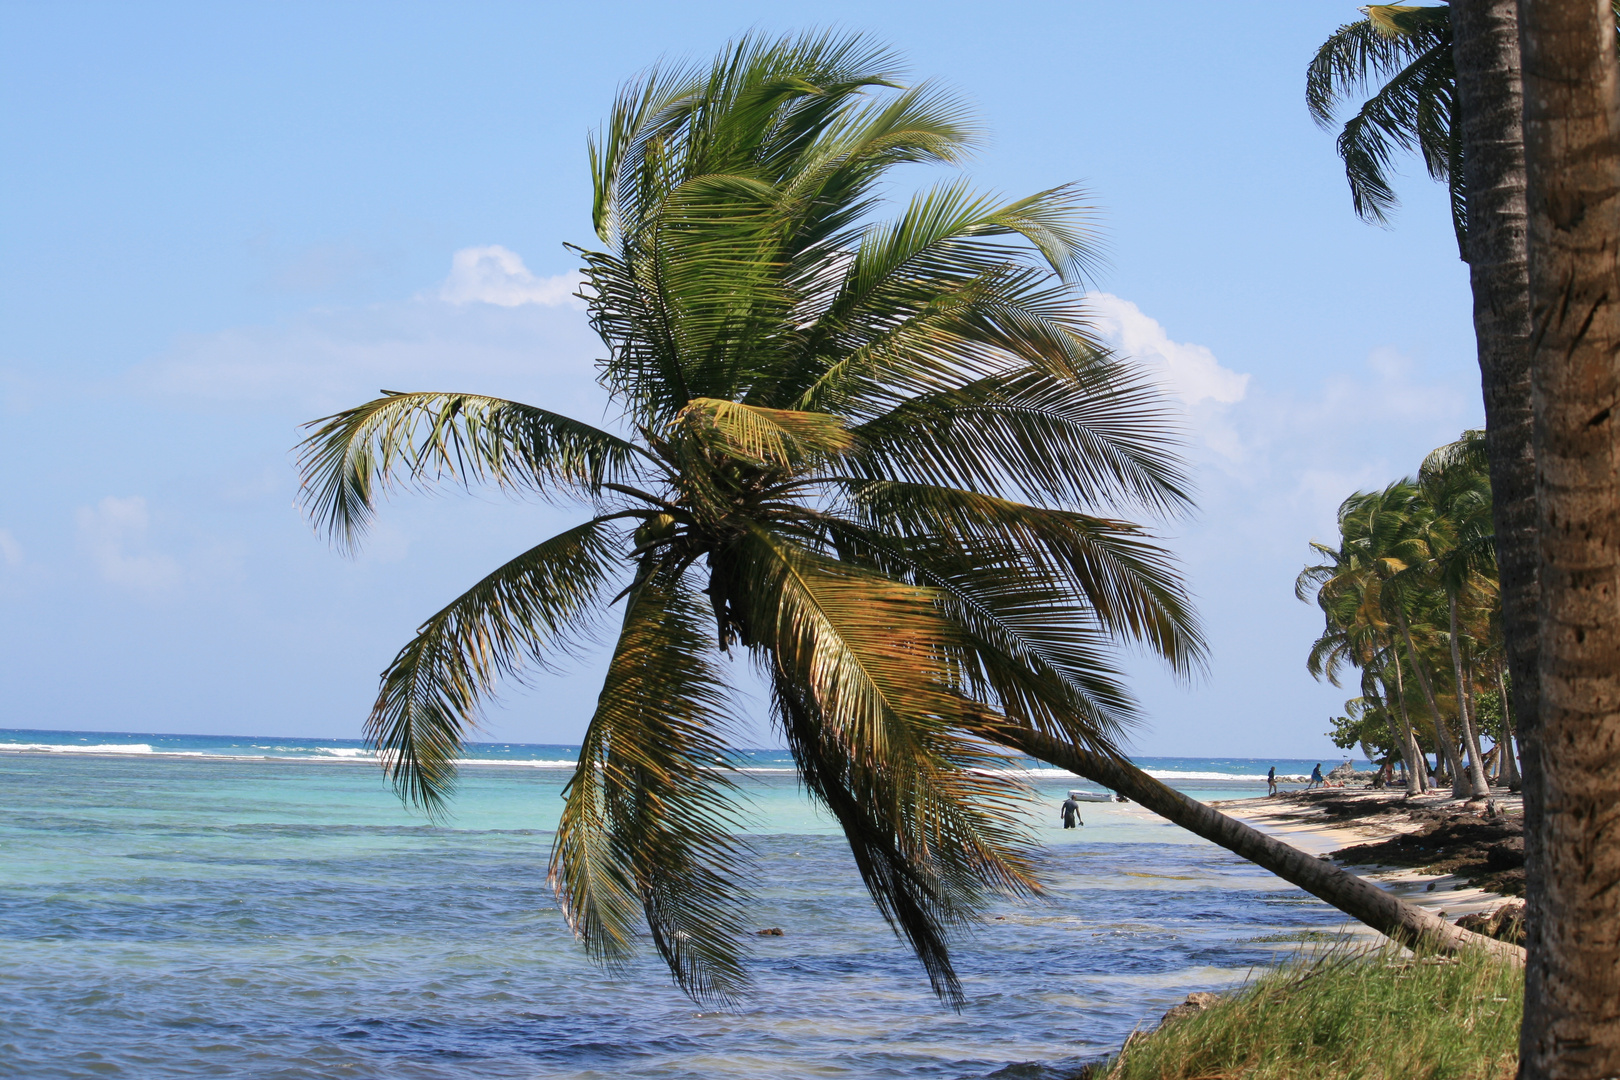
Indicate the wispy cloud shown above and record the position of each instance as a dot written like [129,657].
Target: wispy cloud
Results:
[11,552]
[113,534]
[1187,371]
[491,327]
[496,275]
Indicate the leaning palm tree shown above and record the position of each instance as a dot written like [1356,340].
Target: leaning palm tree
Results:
[883,460]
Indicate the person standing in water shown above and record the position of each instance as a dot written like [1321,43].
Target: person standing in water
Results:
[1071,812]
[1271,780]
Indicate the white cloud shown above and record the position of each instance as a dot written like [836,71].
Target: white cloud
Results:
[11,552]
[113,534]
[1190,372]
[496,275]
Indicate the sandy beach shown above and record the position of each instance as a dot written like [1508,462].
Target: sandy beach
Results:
[1330,820]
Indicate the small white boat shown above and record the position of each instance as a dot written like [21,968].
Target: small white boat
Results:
[1091,796]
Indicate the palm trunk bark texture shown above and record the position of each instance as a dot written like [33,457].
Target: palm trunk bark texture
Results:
[1572,152]
[1490,125]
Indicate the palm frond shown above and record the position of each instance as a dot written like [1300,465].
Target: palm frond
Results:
[1106,439]
[763,436]
[1126,581]
[535,607]
[1358,55]
[649,828]
[1029,646]
[860,665]
[1405,52]
[466,438]
[1412,112]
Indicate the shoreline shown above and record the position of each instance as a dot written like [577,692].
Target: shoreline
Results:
[1328,820]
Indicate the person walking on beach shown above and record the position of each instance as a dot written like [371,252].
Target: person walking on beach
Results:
[1316,777]
[1271,780]
[1071,812]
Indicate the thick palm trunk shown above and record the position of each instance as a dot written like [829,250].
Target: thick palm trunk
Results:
[1447,749]
[1356,897]
[1490,125]
[1479,787]
[1572,142]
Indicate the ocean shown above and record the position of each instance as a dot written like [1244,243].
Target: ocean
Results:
[207,906]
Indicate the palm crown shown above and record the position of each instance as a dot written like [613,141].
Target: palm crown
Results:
[859,454]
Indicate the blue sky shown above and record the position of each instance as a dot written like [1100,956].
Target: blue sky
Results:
[223,220]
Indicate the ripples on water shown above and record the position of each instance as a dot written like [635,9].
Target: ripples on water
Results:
[177,918]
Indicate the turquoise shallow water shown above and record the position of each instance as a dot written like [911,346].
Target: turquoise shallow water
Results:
[274,912]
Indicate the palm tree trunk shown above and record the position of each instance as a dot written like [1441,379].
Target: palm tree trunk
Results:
[1415,778]
[1322,878]
[1572,143]
[1419,760]
[1490,125]
[1510,767]
[1480,789]
[1369,687]
[1447,749]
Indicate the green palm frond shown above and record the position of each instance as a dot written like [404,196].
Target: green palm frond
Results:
[923,861]
[764,436]
[540,604]
[466,438]
[938,297]
[1122,579]
[1099,440]
[649,828]
[1359,54]
[1032,651]
[862,677]
[1402,53]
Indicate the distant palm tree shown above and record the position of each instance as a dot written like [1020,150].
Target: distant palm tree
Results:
[886,460]
[1455,484]
[1348,587]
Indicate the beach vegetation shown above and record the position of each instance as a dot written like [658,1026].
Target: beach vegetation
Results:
[1344,1013]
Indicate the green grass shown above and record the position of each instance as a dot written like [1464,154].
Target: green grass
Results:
[1347,1014]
